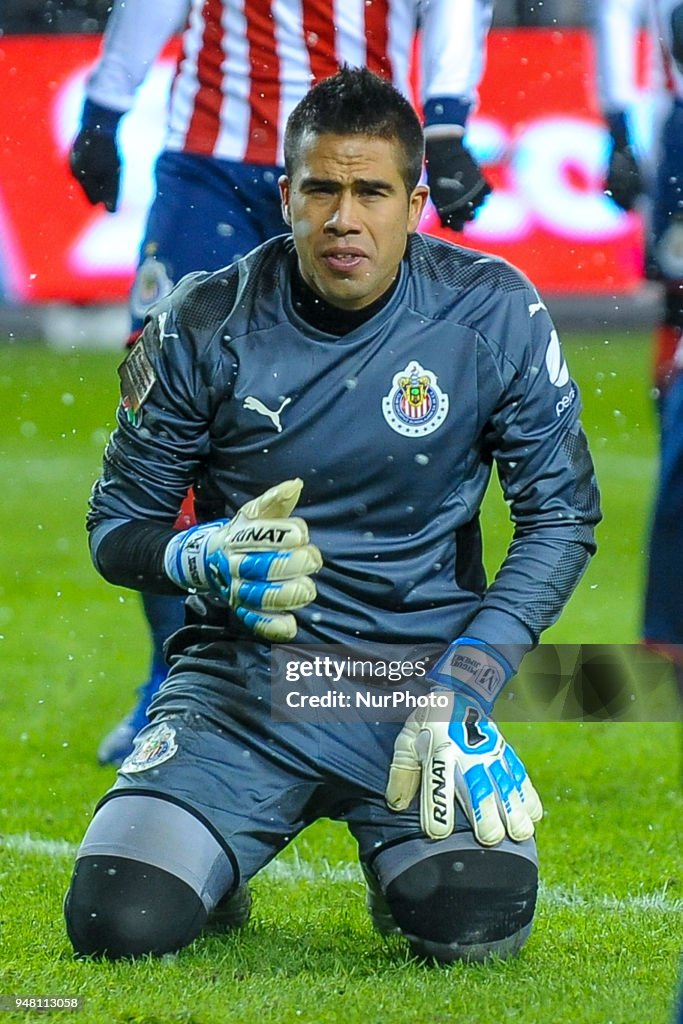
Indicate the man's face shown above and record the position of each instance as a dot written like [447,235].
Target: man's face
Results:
[350,215]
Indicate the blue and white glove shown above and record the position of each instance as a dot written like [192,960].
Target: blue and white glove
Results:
[94,158]
[455,751]
[259,562]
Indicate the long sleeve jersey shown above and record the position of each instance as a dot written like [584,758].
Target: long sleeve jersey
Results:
[394,428]
[245,64]
[616,24]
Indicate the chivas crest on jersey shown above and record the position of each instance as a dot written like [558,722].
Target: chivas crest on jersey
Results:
[415,405]
[152,747]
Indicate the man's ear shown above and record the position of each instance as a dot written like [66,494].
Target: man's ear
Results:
[416,204]
[283,185]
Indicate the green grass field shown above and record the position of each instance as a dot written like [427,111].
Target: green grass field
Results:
[608,936]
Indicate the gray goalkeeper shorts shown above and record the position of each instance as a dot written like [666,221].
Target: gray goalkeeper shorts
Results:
[256,792]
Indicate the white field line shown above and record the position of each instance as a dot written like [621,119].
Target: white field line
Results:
[26,843]
[299,870]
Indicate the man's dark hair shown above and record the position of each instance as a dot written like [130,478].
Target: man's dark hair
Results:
[356,101]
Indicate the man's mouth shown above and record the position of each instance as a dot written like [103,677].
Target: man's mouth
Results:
[343,260]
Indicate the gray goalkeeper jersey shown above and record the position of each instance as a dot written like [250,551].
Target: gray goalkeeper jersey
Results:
[393,427]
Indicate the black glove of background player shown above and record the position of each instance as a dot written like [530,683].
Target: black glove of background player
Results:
[94,158]
[456,183]
[623,180]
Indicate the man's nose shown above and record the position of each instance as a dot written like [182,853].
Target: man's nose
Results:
[343,218]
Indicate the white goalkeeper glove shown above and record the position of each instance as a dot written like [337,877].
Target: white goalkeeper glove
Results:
[259,562]
[454,751]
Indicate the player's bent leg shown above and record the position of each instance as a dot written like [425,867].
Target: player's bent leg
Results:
[454,899]
[147,876]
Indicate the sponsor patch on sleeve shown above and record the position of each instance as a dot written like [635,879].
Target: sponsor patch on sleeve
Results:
[137,379]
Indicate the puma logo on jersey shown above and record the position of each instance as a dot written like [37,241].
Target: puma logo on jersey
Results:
[536,307]
[256,405]
[163,333]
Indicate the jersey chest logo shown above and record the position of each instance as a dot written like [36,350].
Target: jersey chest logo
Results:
[256,405]
[416,405]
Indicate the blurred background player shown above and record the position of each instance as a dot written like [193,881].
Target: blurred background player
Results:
[244,65]
[616,26]
[629,177]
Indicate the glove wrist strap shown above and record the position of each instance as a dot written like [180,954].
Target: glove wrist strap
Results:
[185,556]
[100,119]
[618,129]
[474,668]
[446,110]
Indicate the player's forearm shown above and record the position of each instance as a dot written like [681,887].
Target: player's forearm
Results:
[615,26]
[131,554]
[452,62]
[537,578]
[135,33]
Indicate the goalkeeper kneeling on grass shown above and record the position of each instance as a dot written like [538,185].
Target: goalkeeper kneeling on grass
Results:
[336,399]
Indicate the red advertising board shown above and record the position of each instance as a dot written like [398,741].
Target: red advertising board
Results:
[537,131]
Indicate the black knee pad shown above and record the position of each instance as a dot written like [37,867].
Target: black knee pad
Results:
[465,903]
[118,907]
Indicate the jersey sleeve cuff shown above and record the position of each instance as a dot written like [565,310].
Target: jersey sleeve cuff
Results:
[618,129]
[505,632]
[98,118]
[446,110]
